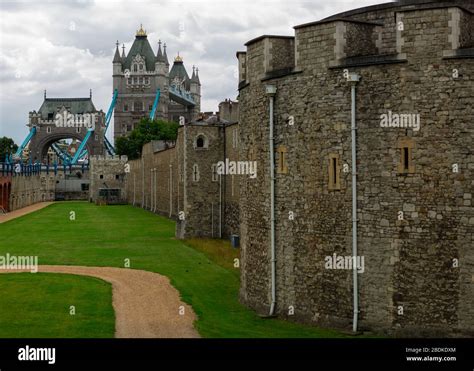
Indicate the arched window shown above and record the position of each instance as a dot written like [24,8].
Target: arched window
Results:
[135,68]
[201,142]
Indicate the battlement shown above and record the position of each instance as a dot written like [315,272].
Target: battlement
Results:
[394,33]
[108,158]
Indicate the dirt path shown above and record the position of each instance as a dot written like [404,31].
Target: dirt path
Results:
[23,211]
[145,303]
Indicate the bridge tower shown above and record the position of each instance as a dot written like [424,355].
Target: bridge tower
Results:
[137,76]
[65,118]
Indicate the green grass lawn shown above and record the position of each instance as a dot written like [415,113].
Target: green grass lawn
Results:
[39,305]
[107,235]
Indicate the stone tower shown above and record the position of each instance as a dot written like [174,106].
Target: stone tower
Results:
[137,76]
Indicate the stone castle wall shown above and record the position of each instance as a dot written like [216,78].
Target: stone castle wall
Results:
[107,172]
[411,284]
[30,189]
[180,182]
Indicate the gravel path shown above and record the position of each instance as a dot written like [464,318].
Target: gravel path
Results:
[145,303]
[23,211]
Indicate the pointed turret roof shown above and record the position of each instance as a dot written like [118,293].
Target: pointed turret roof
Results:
[159,55]
[178,69]
[197,76]
[117,58]
[141,46]
[165,56]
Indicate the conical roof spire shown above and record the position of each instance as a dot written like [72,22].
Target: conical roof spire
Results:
[197,76]
[117,54]
[159,54]
[123,51]
[165,56]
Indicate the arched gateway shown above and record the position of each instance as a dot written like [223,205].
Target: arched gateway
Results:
[62,118]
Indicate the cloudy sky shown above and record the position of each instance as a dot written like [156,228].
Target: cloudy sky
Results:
[66,47]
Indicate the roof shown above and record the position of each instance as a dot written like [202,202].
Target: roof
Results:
[74,105]
[117,58]
[141,46]
[179,70]
[267,36]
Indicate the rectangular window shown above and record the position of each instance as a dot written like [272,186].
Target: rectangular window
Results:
[406,162]
[406,166]
[334,172]
[215,176]
[282,167]
[78,130]
[125,108]
[195,173]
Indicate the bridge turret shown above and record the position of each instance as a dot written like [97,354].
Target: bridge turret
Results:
[117,62]
[195,90]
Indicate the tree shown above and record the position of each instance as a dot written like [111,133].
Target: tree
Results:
[146,131]
[7,147]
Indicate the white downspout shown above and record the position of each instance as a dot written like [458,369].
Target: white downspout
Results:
[185,181]
[171,189]
[220,205]
[354,79]
[151,190]
[143,184]
[271,91]
[154,191]
[134,188]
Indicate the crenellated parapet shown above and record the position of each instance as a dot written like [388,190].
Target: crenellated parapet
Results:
[393,33]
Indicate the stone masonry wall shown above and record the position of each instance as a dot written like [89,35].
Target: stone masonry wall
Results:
[181,182]
[107,172]
[28,190]
[411,284]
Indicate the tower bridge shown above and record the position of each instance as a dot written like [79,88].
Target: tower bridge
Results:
[143,86]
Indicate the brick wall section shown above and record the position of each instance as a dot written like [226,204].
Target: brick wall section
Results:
[409,262]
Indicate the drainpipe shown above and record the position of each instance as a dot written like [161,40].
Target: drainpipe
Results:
[354,79]
[151,190]
[271,91]
[171,189]
[134,189]
[154,189]
[143,184]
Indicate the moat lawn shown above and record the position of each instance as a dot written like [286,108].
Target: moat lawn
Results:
[39,305]
[203,273]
